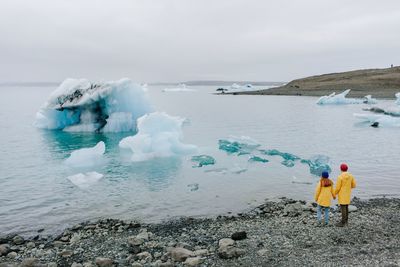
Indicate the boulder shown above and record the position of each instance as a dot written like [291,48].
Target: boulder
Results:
[180,254]
[224,242]
[104,262]
[352,208]
[193,261]
[229,252]
[4,249]
[18,240]
[239,235]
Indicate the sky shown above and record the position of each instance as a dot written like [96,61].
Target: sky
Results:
[182,40]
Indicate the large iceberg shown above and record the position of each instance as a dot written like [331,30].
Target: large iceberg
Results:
[87,157]
[82,106]
[159,135]
[339,99]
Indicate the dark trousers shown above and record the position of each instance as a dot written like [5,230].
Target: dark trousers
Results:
[345,213]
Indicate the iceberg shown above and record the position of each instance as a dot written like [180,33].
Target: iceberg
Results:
[85,180]
[340,99]
[181,88]
[258,159]
[317,164]
[288,159]
[79,105]
[238,145]
[87,157]
[379,120]
[158,135]
[202,160]
[397,102]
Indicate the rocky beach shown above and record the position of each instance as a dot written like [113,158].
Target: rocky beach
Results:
[380,83]
[283,233]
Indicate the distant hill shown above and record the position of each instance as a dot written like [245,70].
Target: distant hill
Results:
[380,83]
[28,84]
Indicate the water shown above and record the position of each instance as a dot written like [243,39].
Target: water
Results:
[35,192]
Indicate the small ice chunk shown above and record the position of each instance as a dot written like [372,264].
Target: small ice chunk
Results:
[85,180]
[159,135]
[317,164]
[397,102]
[193,187]
[202,160]
[340,99]
[87,157]
[258,159]
[240,145]
[288,158]
[181,88]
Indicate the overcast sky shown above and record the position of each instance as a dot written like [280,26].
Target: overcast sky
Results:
[150,41]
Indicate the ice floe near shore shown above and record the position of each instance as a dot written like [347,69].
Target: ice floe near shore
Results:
[79,105]
[85,180]
[87,157]
[340,99]
[159,135]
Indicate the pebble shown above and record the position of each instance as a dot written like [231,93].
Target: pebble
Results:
[12,255]
[4,249]
[18,240]
[224,242]
[66,253]
[193,261]
[30,245]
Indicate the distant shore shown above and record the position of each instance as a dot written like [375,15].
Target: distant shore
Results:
[283,233]
[380,83]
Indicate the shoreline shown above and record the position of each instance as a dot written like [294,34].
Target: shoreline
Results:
[282,233]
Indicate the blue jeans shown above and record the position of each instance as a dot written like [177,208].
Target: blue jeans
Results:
[319,211]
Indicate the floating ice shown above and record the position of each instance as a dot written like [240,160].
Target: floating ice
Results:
[193,187]
[159,135]
[379,120]
[397,102]
[85,180]
[288,159]
[338,99]
[240,145]
[80,105]
[203,160]
[257,159]
[87,157]
[181,88]
[317,164]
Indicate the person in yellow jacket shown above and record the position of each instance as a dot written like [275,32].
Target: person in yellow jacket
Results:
[345,182]
[323,194]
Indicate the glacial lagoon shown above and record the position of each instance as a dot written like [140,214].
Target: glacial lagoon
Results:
[37,188]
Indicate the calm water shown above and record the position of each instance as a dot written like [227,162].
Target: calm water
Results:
[35,192]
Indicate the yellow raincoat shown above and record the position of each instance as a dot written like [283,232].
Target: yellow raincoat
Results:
[324,194]
[345,182]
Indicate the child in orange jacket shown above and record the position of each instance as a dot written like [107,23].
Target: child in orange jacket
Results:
[323,194]
[345,182]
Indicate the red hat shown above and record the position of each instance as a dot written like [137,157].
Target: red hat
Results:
[343,167]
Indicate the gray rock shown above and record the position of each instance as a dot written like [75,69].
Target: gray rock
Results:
[193,261]
[18,240]
[224,242]
[66,253]
[31,262]
[262,252]
[8,264]
[12,255]
[51,264]
[137,264]
[144,256]
[30,245]
[104,262]
[4,249]
[76,265]
[293,210]
[352,208]
[201,252]
[229,252]
[180,254]
[239,235]
[134,241]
